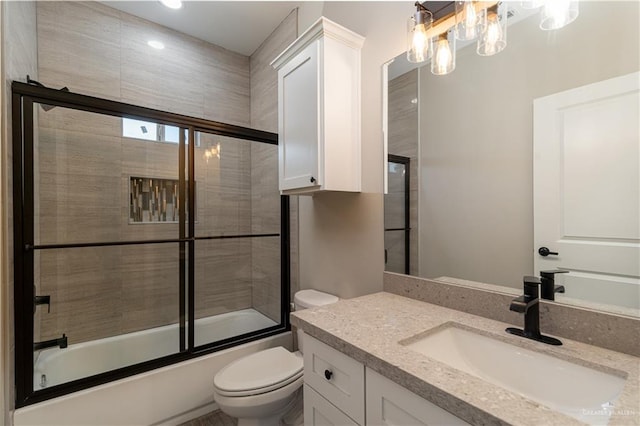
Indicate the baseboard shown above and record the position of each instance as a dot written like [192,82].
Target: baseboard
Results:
[189,415]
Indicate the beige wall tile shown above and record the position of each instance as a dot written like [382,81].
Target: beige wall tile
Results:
[79,47]
[265,198]
[85,168]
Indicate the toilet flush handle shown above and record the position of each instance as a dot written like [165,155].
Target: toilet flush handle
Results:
[328,374]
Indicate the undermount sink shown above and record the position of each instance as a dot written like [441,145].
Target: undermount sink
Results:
[581,392]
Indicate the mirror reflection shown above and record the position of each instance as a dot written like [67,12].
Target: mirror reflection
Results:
[535,147]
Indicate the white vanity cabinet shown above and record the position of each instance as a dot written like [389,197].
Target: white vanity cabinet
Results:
[336,378]
[319,111]
[335,394]
[390,404]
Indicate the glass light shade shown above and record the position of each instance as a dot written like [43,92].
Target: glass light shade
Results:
[444,53]
[558,13]
[493,37]
[467,20]
[418,44]
[532,4]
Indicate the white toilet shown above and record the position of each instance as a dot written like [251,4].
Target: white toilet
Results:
[262,387]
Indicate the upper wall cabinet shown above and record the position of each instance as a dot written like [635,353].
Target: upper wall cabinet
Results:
[319,110]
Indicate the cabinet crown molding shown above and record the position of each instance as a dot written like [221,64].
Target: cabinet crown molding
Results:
[323,27]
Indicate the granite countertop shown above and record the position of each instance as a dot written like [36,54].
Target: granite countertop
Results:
[369,328]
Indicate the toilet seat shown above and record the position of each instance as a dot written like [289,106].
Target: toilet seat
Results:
[258,373]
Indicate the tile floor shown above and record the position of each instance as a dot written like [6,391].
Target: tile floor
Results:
[215,418]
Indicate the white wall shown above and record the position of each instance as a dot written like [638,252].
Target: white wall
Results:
[341,235]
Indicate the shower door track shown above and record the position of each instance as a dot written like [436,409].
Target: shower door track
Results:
[23,98]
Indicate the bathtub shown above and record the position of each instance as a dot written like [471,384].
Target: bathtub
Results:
[165,396]
[54,366]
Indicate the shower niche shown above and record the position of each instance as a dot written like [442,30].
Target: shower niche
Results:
[154,200]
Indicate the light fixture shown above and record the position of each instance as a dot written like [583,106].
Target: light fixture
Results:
[471,19]
[172,4]
[493,37]
[444,53]
[213,151]
[467,20]
[156,44]
[558,13]
[418,43]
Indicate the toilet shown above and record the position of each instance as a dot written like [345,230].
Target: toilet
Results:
[259,389]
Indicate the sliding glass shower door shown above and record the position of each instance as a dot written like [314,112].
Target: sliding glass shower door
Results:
[142,238]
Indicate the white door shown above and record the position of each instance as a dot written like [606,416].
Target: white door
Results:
[587,189]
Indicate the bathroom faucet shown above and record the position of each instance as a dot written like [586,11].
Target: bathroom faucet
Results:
[60,342]
[548,287]
[529,305]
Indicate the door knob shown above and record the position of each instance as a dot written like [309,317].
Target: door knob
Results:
[312,179]
[544,252]
[328,374]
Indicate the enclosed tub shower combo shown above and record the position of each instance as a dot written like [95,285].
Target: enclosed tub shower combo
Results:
[142,238]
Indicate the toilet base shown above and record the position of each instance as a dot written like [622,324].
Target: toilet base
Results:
[275,419]
[264,409]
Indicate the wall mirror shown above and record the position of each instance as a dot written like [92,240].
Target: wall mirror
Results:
[536,146]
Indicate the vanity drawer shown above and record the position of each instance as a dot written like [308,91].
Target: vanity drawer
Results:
[319,412]
[335,376]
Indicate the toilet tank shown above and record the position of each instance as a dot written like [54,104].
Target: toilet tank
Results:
[304,299]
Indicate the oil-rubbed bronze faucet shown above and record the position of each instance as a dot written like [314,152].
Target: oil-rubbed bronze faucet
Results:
[548,287]
[528,304]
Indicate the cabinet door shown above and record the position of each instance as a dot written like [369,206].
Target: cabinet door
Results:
[319,412]
[298,120]
[337,377]
[390,404]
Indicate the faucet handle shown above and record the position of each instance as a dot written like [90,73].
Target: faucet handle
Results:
[531,285]
[531,281]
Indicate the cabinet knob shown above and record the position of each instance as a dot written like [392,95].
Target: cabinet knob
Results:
[312,179]
[328,374]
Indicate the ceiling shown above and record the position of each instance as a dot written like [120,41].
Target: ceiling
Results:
[240,26]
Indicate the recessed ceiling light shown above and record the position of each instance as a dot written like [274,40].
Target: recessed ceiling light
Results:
[172,4]
[156,44]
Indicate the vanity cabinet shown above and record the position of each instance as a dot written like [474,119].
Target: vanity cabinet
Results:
[335,391]
[319,111]
[390,404]
[337,378]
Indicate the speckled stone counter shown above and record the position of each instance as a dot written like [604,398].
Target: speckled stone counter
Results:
[369,328]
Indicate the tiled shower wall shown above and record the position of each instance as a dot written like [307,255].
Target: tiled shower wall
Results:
[85,166]
[266,209]
[403,140]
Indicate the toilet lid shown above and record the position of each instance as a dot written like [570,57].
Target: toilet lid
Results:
[261,371]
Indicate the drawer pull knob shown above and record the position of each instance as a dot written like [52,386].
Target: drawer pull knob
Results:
[328,374]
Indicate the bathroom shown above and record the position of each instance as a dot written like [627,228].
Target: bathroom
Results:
[336,238]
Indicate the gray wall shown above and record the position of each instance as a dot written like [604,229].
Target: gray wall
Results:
[476,138]
[341,237]
[19,58]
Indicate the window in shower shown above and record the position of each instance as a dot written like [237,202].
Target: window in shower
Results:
[113,273]
[151,131]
